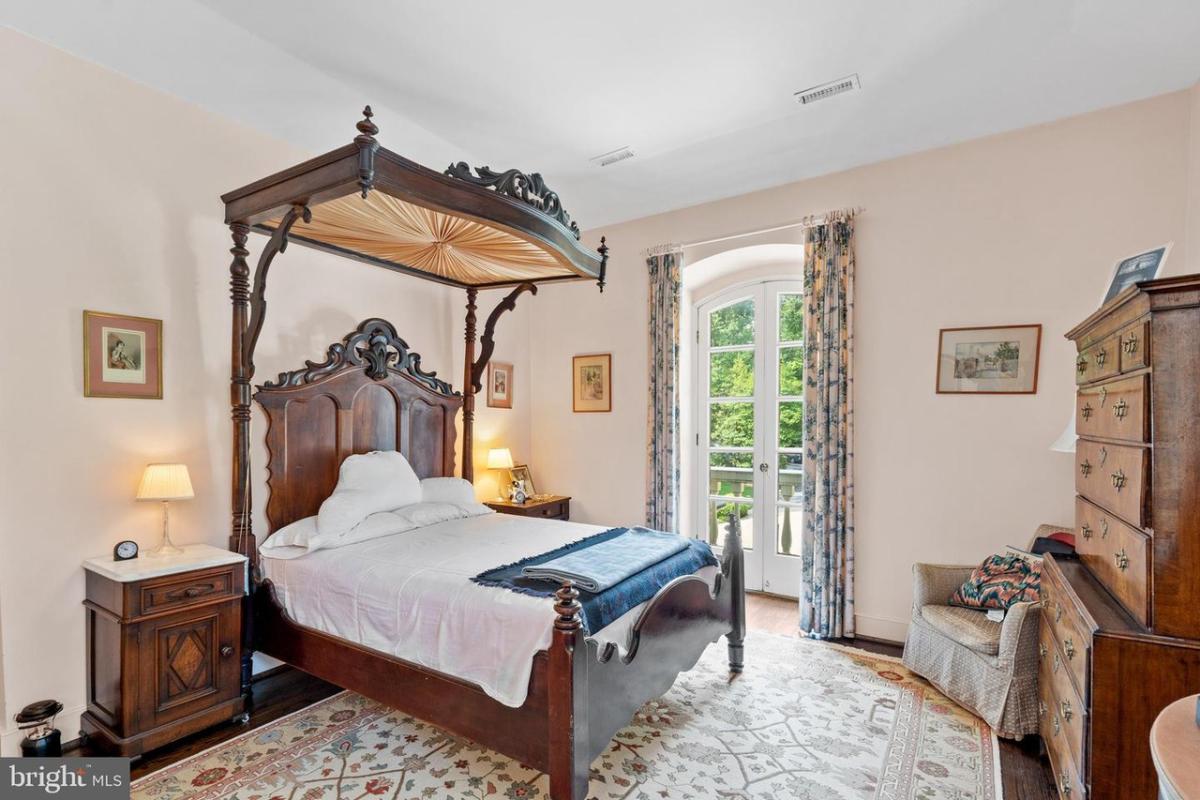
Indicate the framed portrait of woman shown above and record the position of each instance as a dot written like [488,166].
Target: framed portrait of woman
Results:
[122,356]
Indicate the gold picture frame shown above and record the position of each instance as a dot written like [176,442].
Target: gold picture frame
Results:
[499,385]
[591,383]
[122,356]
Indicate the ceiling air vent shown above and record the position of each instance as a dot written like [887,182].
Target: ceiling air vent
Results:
[604,159]
[840,86]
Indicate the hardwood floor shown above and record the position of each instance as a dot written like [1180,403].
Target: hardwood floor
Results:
[286,690]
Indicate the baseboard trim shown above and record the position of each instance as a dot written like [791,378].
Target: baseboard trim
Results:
[880,629]
[67,722]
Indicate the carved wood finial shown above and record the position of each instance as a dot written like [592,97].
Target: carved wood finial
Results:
[566,605]
[603,251]
[366,151]
[365,126]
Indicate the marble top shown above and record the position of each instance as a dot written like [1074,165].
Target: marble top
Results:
[194,556]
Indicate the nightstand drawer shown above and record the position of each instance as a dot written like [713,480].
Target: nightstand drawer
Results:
[551,510]
[179,592]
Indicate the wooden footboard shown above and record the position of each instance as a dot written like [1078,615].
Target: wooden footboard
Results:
[580,694]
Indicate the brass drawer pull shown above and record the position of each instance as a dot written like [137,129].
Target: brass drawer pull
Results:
[1086,412]
[1086,530]
[1065,707]
[1101,357]
[1118,479]
[190,592]
[1069,646]
[1085,468]
[1104,527]
[1081,364]
[1103,395]
[1057,663]
[1131,344]
[226,651]
[1057,725]
[1120,409]
[1122,560]
[1041,708]
[1064,784]
[1057,613]
[1041,650]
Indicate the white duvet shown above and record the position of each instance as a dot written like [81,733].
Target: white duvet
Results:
[410,595]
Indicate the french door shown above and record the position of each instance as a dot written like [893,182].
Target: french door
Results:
[750,346]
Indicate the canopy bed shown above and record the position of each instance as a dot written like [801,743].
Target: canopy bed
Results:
[471,230]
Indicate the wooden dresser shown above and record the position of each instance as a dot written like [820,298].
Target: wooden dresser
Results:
[1120,636]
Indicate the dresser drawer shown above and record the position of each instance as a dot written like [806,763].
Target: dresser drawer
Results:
[1064,708]
[1070,630]
[1117,554]
[1134,342]
[183,591]
[1116,410]
[1066,773]
[1101,360]
[1113,476]
[551,511]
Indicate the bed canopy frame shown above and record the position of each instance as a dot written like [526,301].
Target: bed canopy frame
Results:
[471,230]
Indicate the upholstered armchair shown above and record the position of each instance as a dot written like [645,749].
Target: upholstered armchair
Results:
[991,668]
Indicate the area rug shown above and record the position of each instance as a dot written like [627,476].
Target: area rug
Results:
[806,721]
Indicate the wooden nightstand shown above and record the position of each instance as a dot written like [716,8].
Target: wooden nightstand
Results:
[164,644]
[553,506]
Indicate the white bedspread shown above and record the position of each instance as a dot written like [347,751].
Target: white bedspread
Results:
[410,596]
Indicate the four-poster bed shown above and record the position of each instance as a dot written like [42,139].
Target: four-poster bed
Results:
[471,231]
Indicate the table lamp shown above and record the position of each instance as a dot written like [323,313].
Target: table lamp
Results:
[165,482]
[500,458]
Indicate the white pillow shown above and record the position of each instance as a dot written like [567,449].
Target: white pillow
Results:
[377,481]
[447,490]
[297,534]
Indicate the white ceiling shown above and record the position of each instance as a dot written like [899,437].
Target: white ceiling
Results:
[701,91]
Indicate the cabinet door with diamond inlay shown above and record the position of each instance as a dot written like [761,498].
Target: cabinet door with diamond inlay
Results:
[191,660]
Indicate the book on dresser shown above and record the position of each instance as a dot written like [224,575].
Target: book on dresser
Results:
[1120,634]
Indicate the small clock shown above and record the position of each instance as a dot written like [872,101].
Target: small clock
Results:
[126,550]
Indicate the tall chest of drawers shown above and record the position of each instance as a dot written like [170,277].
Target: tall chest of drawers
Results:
[1120,636]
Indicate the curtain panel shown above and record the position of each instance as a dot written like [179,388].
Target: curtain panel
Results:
[662,471]
[827,543]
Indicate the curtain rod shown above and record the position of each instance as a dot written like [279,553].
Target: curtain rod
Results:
[807,222]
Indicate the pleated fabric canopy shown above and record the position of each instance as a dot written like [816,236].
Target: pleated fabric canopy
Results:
[469,230]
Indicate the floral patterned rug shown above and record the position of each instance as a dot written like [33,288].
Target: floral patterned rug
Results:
[806,720]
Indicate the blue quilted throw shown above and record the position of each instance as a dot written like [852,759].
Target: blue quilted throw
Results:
[626,566]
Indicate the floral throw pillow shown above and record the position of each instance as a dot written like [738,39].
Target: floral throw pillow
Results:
[999,582]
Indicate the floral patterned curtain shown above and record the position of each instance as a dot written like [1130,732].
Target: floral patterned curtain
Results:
[827,544]
[662,472]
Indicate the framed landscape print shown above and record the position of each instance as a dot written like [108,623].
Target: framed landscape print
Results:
[1002,359]
[122,356]
[591,383]
[1135,269]
[500,385]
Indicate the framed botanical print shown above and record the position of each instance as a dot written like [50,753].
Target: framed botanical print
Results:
[500,385]
[592,383]
[1002,359]
[122,356]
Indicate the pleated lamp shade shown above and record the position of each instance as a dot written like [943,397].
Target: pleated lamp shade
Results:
[165,482]
[499,458]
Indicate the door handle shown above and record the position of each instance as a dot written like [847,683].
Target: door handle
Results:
[763,467]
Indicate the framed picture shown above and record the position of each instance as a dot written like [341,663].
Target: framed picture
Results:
[520,472]
[1135,269]
[122,356]
[1002,359]
[592,383]
[500,385]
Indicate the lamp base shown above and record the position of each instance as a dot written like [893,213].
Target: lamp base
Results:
[166,547]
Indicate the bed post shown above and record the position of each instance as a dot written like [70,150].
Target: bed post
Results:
[241,537]
[568,700]
[734,569]
[468,465]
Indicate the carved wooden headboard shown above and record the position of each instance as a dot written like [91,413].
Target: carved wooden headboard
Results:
[370,393]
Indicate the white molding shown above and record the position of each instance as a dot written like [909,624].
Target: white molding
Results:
[892,630]
[67,722]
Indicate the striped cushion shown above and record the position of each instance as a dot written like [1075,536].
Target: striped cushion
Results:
[999,582]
